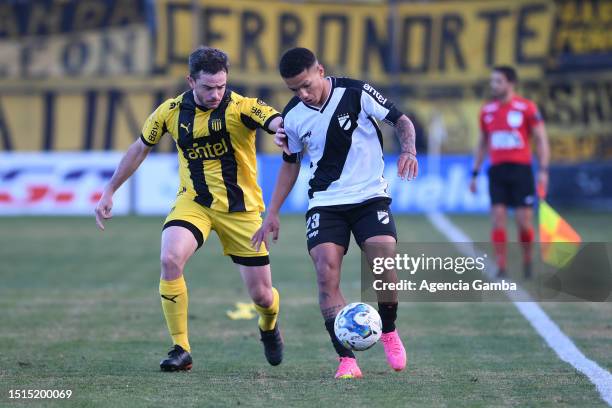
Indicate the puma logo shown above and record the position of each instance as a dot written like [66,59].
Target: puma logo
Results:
[170,298]
[186,127]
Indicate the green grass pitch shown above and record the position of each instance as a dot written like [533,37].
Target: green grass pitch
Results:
[80,310]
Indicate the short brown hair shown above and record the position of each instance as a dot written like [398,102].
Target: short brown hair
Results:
[207,59]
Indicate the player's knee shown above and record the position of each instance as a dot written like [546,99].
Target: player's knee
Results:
[262,296]
[172,264]
[328,278]
[325,266]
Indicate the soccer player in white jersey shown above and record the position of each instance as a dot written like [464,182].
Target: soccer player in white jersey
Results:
[334,121]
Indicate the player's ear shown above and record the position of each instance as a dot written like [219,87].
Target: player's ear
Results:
[190,81]
[321,69]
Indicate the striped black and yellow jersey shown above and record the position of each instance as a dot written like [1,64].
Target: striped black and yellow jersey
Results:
[216,148]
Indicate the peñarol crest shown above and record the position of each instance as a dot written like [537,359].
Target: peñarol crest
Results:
[216,125]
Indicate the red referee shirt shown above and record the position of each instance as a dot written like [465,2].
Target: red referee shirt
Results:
[507,128]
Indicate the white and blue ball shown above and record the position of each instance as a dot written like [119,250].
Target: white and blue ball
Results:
[358,326]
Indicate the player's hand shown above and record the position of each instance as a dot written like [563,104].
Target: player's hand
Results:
[473,185]
[407,166]
[103,209]
[542,184]
[280,139]
[271,224]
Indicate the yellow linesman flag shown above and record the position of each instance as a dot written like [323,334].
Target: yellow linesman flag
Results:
[559,242]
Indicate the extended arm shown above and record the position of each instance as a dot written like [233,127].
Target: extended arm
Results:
[407,165]
[275,124]
[285,181]
[280,137]
[127,166]
[543,153]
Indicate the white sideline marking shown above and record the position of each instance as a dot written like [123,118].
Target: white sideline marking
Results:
[539,320]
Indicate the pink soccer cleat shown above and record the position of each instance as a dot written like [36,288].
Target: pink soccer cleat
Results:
[394,350]
[348,368]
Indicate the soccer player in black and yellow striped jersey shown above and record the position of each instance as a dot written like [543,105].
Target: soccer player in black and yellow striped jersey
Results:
[214,131]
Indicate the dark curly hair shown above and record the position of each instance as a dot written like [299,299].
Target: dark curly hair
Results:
[207,59]
[296,60]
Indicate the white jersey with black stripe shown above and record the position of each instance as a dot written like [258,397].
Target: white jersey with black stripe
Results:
[343,142]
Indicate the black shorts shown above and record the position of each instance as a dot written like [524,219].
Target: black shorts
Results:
[512,185]
[335,223]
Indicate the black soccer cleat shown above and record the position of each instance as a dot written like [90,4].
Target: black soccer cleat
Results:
[178,360]
[273,345]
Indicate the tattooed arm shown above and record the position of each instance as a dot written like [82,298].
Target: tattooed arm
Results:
[407,165]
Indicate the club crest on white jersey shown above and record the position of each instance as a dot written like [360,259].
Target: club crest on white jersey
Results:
[345,121]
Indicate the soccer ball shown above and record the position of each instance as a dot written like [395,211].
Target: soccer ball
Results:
[358,326]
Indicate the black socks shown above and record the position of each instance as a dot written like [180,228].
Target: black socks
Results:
[340,349]
[388,314]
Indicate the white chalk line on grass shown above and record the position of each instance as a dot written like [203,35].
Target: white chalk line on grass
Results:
[539,320]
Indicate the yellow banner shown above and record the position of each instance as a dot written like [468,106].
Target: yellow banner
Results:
[111,52]
[109,115]
[583,28]
[93,89]
[441,41]
[97,118]
[24,19]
